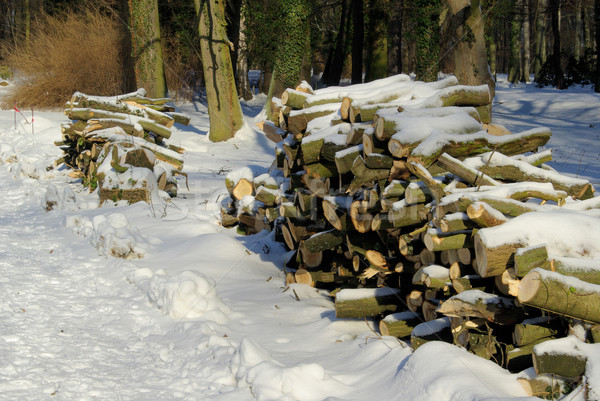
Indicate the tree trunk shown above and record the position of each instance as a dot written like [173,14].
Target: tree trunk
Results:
[470,57]
[597,24]
[559,79]
[147,48]
[334,71]
[290,70]
[426,16]
[395,35]
[358,32]
[578,31]
[224,110]
[515,47]
[243,85]
[540,36]
[526,43]
[376,63]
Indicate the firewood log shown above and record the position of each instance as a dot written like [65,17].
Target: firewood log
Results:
[399,324]
[484,215]
[428,151]
[434,330]
[365,302]
[567,296]
[563,357]
[436,240]
[504,168]
[476,303]
[532,330]
[468,174]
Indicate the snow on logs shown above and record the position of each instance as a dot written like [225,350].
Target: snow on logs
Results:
[119,144]
[404,186]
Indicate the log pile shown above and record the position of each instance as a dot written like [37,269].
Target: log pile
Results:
[410,214]
[118,145]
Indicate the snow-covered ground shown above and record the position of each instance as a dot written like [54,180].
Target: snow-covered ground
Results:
[202,313]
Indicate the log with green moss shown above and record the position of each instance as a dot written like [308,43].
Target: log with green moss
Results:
[532,330]
[470,175]
[484,215]
[504,168]
[469,144]
[399,324]
[344,159]
[435,330]
[476,303]
[366,302]
[402,215]
[563,357]
[436,240]
[567,296]
[324,240]
[493,260]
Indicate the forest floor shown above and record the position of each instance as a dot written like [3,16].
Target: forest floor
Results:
[204,313]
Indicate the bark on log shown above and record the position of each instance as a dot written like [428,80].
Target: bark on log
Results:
[344,159]
[365,302]
[493,260]
[435,330]
[533,330]
[485,215]
[399,324]
[471,144]
[470,175]
[271,131]
[436,240]
[404,216]
[475,303]
[562,357]
[472,282]
[527,259]
[567,296]
[324,240]
[294,98]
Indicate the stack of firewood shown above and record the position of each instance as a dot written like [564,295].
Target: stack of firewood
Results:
[396,196]
[111,138]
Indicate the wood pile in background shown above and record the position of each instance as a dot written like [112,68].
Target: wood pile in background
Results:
[118,136]
[400,216]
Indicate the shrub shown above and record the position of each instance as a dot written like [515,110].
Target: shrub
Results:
[68,52]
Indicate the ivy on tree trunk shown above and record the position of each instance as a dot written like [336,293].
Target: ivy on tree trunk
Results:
[292,64]
[147,48]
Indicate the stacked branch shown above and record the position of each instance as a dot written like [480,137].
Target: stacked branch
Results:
[422,200]
[125,133]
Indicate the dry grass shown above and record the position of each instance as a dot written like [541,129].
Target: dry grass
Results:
[69,52]
[183,72]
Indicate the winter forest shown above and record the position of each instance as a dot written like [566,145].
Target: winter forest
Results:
[300,200]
